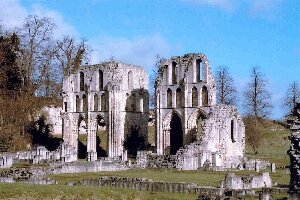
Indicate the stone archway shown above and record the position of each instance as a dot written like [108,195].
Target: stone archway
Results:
[81,141]
[195,126]
[102,144]
[176,133]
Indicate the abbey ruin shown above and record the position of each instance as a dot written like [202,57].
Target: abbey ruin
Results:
[186,112]
[110,101]
[111,96]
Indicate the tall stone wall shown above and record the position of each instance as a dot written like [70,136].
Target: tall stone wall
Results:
[110,96]
[186,113]
[294,152]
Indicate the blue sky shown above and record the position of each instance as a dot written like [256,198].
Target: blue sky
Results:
[236,33]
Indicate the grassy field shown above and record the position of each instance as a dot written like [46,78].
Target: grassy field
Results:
[45,192]
[274,144]
[203,178]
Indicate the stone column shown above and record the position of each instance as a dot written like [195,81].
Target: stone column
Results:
[66,131]
[91,140]
[74,136]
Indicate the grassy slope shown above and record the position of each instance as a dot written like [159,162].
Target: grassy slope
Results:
[29,191]
[274,144]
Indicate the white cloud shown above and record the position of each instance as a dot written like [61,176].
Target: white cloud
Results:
[265,7]
[62,27]
[13,14]
[140,50]
[224,4]
[258,6]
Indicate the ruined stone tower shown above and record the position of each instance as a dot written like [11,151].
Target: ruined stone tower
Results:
[186,113]
[110,96]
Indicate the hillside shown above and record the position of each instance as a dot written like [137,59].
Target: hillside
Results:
[274,143]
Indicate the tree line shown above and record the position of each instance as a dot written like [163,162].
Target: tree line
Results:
[32,66]
[256,100]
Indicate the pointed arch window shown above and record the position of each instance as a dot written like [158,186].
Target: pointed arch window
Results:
[95,102]
[169,98]
[85,103]
[204,96]
[100,79]
[81,81]
[77,104]
[174,73]
[198,70]
[178,98]
[130,80]
[232,130]
[194,97]
[103,102]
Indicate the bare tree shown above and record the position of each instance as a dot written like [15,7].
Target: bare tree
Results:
[71,54]
[154,77]
[226,92]
[36,35]
[257,98]
[253,134]
[292,96]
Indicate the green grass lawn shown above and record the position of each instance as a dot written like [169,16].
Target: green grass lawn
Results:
[151,135]
[203,178]
[274,144]
[45,192]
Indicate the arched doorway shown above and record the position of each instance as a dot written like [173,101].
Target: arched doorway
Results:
[176,134]
[101,137]
[82,138]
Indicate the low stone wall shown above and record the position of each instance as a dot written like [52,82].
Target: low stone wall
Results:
[39,181]
[147,159]
[95,166]
[234,182]
[148,185]
[256,164]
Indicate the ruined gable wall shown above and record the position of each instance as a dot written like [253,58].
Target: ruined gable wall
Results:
[116,92]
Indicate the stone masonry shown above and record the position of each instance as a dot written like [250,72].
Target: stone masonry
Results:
[294,151]
[186,113]
[110,96]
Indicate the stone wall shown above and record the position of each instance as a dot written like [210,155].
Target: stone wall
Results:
[146,185]
[186,113]
[52,116]
[294,151]
[110,96]
[234,182]
[39,154]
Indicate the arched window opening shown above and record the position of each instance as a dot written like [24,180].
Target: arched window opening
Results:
[169,98]
[133,103]
[204,96]
[103,102]
[102,137]
[178,98]
[174,73]
[130,80]
[141,105]
[81,77]
[66,106]
[232,131]
[194,97]
[77,104]
[176,134]
[100,79]
[199,129]
[96,102]
[85,103]
[198,70]
[166,73]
